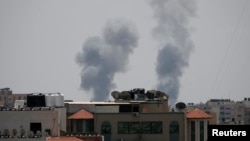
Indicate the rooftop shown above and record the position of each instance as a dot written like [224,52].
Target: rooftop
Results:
[82,114]
[198,114]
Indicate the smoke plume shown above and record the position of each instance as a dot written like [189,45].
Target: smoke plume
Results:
[102,57]
[173,33]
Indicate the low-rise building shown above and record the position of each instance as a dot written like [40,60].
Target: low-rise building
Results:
[131,117]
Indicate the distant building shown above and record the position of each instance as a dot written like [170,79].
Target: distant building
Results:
[226,111]
[7,98]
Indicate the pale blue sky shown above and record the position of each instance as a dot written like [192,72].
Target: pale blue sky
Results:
[39,41]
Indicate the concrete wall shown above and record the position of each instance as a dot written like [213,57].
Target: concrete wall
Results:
[154,106]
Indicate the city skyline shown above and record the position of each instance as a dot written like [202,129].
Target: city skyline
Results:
[41,39]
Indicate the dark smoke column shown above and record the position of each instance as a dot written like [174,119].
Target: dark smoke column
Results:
[102,57]
[173,34]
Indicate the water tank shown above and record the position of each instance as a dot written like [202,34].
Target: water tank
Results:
[59,100]
[50,100]
[31,100]
[36,100]
[40,100]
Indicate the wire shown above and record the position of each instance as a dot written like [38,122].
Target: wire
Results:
[245,60]
[228,48]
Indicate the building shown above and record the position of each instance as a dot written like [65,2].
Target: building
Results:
[134,115]
[35,117]
[32,124]
[197,121]
[34,120]
[7,98]
[226,111]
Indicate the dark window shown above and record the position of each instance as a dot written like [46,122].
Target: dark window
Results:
[90,125]
[192,130]
[122,127]
[146,127]
[201,130]
[128,127]
[136,108]
[174,127]
[79,126]
[151,127]
[35,127]
[174,131]
[133,127]
[125,108]
[106,128]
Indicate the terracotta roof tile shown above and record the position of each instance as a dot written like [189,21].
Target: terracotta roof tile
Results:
[82,114]
[198,114]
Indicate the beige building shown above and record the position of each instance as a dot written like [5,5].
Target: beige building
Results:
[143,118]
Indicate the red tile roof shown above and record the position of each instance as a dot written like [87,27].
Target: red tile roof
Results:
[198,114]
[82,114]
[63,139]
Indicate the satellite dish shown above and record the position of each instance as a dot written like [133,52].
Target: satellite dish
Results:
[39,133]
[14,132]
[31,134]
[22,132]
[6,132]
[180,105]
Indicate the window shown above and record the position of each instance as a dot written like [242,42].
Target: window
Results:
[128,127]
[174,127]
[136,127]
[136,108]
[125,108]
[174,131]
[133,127]
[122,127]
[79,126]
[151,127]
[35,127]
[201,130]
[89,125]
[192,130]
[106,128]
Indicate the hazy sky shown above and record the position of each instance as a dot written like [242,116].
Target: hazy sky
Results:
[42,43]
